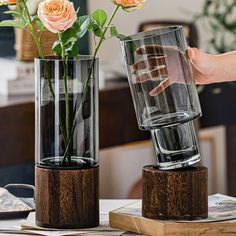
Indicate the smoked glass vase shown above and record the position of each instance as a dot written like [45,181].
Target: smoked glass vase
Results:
[66,113]
[164,93]
[66,142]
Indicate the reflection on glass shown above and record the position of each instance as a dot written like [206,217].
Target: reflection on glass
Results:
[164,93]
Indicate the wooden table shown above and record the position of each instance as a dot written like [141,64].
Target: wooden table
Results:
[105,207]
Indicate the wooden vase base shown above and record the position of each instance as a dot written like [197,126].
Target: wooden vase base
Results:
[176,194]
[67,198]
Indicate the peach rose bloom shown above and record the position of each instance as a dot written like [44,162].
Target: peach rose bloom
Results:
[129,4]
[57,15]
[7,2]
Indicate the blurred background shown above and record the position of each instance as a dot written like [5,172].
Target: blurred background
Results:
[124,150]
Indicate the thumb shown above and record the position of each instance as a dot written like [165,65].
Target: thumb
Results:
[203,62]
[194,56]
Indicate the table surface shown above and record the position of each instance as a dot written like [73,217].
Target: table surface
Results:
[13,225]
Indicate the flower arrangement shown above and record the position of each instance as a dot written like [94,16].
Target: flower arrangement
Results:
[60,17]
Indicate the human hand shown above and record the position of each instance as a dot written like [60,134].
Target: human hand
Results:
[203,66]
[164,64]
[170,65]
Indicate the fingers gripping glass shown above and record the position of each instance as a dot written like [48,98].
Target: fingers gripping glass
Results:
[164,93]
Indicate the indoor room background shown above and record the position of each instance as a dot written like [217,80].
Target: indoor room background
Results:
[216,128]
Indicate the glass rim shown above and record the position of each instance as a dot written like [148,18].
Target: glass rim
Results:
[58,58]
[150,33]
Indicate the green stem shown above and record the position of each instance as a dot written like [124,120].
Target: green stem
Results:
[65,79]
[62,47]
[105,30]
[33,32]
[67,99]
[85,87]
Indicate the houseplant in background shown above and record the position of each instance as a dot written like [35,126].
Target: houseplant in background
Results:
[66,110]
[219,20]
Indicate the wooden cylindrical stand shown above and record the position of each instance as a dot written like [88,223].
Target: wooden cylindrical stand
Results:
[175,194]
[67,198]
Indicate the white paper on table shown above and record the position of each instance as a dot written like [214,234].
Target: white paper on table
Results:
[84,233]
[106,206]
[10,203]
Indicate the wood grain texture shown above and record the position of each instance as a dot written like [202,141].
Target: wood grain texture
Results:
[67,198]
[139,224]
[177,194]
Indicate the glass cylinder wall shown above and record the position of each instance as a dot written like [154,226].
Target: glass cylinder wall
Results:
[155,59]
[164,93]
[66,112]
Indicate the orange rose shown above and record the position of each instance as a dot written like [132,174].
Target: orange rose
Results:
[129,5]
[57,15]
[7,2]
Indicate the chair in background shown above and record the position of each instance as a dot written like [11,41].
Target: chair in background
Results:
[189,28]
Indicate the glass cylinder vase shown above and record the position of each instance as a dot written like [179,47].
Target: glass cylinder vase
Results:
[66,142]
[164,93]
[66,113]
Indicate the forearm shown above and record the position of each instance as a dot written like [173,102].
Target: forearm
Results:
[225,69]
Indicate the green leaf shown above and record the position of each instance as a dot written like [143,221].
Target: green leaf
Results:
[68,36]
[72,50]
[93,25]
[96,29]
[39,24]
[82,26]
[114,31]
[98,32]
[13,23]
[13,13]
[206,8]
[100,17]
[83,22]
[56,48]
[72,39]
[122,37]
[24,13]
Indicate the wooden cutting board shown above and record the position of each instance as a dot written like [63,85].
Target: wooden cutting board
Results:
[129,218]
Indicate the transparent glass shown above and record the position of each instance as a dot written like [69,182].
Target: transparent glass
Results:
[164,93]
[66,104]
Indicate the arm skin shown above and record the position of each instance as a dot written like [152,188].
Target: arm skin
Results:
[164,62]
[209,68]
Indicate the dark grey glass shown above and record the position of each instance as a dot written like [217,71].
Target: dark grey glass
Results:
[66,122]
[164,93]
